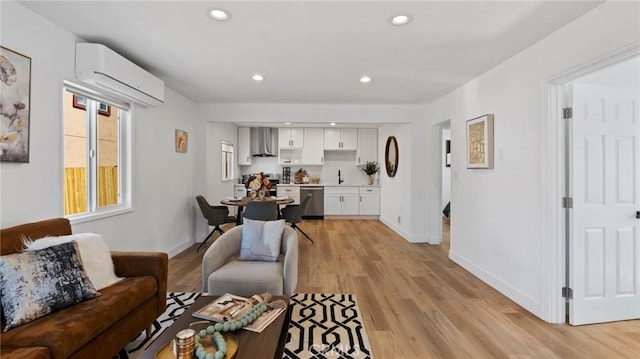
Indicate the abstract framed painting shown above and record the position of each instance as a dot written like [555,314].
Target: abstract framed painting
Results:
[182,141]
[480,142]
[15,105]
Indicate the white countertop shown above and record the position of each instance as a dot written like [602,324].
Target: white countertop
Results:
[326,185]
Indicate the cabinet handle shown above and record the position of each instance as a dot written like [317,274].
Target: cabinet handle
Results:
[360,198]
[358,159]
[321,159]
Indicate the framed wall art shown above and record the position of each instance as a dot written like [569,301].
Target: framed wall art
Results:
[182,141]
[15,105]
[480,142]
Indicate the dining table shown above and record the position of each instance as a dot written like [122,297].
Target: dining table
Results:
[242,202]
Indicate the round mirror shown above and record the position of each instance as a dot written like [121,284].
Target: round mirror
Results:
[391,156]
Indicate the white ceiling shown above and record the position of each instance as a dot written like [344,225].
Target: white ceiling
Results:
[314,51]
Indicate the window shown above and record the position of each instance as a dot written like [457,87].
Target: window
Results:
[227,161]
[95,158]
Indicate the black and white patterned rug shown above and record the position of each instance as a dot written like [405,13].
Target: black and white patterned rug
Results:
[322,326]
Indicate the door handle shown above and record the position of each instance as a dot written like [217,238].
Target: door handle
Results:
[638,214]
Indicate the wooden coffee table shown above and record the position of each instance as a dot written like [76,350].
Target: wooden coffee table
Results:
[267,344]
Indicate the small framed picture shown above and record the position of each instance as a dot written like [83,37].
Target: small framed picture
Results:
[182,141]
[480,142]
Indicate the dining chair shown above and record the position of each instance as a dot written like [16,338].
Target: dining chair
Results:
[261,210]
[215,216]
[293,213]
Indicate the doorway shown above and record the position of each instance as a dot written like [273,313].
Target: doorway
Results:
[445,184]
[602,186]
[441,145]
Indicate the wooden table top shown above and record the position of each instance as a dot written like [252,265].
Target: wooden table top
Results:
[267,344]
[243,202]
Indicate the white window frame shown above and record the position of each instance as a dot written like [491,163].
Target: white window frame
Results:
[94,212]
[227,147]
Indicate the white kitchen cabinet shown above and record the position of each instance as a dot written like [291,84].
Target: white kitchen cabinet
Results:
[289,191]
[369,200]
[313,151]
[289,156]
[290,138]
[340,139]
[244,146]
[340,200]
[367,146]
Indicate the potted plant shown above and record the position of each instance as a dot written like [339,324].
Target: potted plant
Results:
[371,168]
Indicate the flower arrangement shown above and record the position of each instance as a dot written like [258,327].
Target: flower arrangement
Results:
[371,168]
[257,182]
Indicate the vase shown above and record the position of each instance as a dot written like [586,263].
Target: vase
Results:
[370,180]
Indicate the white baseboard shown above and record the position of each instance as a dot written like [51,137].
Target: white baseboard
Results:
[408,237]
[172,252]
[532,305]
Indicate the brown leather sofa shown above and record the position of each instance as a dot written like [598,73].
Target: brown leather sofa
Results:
[96,328]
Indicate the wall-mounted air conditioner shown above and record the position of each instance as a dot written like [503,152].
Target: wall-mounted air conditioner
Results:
[105,70]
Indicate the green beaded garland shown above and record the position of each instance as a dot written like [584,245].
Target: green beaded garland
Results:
[214,330]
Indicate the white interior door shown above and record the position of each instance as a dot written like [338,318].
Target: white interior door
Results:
[604,183]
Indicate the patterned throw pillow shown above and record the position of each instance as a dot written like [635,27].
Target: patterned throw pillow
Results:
[36,283]
[94,254]
[261,240]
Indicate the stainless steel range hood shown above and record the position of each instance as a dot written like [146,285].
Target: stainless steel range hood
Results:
[263,141]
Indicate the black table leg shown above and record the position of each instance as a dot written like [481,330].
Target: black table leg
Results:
[239,216]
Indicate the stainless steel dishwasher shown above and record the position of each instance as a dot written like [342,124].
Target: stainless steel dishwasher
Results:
[316,208]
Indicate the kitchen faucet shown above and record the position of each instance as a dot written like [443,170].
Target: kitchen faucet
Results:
[340,180]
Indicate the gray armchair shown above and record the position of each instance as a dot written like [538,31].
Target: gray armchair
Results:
[223,273]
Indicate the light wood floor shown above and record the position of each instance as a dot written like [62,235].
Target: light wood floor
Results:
[416,303]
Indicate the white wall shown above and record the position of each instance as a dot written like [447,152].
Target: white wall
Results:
[164,182]
[496,230]
[395,192]
[215,188]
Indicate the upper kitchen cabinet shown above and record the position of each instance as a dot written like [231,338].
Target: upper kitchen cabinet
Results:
[244,146]
[290,137]
[340,139]
[313,151]
[367,145]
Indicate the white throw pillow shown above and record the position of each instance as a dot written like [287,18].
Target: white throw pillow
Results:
[94,254]
[261,240]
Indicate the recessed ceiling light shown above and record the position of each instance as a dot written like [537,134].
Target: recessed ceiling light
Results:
[365,79]
[287,123]
[400,20]
[220,15]
[332,123]
[257,77]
